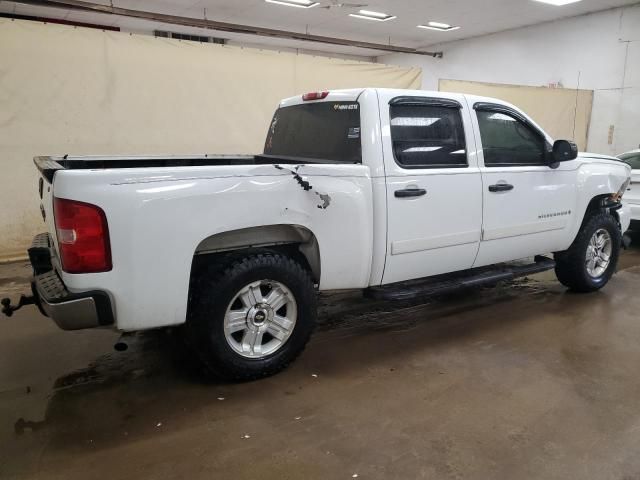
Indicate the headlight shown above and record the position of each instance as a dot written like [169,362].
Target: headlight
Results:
[616,197]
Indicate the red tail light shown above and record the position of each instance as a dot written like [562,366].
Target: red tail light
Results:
[83,236]
[314,96]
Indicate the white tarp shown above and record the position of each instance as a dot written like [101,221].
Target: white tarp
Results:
[86,91]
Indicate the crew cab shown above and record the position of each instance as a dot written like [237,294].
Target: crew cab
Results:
[400,193]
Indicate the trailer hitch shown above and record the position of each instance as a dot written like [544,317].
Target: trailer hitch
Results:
[8,309]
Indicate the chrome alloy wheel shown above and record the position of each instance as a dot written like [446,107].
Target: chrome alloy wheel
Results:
[598,253]
[260,318]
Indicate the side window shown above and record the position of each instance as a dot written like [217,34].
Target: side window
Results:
[506,140]
[426,136]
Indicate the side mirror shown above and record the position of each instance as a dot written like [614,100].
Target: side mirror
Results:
[563,151]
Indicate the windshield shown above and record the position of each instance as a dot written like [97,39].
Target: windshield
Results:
[321,131]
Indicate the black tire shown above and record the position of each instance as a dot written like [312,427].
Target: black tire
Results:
[212,290]
[571,268]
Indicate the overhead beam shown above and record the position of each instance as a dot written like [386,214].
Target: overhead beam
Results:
[223,26]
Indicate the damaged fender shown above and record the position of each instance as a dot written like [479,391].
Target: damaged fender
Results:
[306,186]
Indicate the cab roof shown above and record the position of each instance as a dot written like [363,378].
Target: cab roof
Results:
[352,94]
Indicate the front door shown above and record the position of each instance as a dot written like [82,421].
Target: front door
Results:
[434,197]
[527,205]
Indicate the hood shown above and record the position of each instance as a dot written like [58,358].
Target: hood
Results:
[597,158]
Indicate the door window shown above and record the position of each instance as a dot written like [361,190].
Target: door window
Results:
[507,140]
[426,136]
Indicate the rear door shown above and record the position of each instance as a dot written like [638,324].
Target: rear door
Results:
[434,197]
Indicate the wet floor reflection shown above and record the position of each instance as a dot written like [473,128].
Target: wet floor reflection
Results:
[361,353]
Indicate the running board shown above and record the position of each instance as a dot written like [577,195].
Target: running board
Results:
[450,282]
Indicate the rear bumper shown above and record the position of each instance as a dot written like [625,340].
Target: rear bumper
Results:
[70,311]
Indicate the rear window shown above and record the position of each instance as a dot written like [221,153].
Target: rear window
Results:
[320,131]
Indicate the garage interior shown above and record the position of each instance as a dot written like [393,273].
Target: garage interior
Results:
[523,380]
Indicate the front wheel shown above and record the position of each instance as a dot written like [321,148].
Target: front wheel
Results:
[592,258]
[252,317]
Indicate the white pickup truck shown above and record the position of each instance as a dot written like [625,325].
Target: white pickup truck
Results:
[399,193]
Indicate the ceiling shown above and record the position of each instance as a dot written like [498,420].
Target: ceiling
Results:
[475,17]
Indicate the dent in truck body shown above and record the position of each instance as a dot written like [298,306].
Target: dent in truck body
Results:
[306,186]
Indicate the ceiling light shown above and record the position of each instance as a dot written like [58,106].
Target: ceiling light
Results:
[369,15]
[558,3]
[294,3]
[441,27]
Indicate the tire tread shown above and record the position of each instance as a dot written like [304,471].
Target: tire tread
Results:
[570,269]
[213,277]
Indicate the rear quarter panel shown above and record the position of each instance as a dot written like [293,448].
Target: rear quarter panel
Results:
[157,217]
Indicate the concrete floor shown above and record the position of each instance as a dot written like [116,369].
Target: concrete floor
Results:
[521,381]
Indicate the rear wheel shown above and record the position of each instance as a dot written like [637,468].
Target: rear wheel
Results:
[251,317]
[592,258]
[260,318]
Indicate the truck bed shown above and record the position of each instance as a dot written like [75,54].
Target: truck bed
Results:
[48,165]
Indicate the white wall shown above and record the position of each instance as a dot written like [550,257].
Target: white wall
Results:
[603,49]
